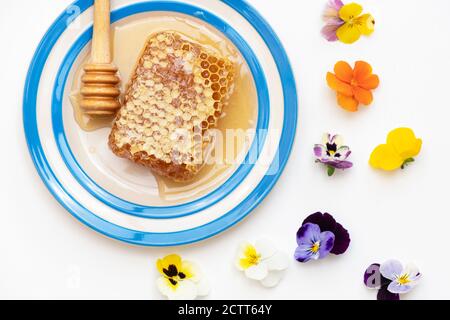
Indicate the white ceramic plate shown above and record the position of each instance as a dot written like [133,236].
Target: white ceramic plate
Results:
[101,197]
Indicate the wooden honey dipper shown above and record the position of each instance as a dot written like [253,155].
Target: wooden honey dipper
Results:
[100,92]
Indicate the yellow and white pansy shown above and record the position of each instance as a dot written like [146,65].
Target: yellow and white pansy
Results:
[180,279]
[261,261]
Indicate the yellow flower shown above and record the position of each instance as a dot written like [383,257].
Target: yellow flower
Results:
[400,149]
[355,24]
[180,279]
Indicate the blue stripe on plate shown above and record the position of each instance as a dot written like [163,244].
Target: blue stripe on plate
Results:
[150,238]
[168,211]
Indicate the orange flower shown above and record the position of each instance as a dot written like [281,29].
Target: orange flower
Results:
[353,86]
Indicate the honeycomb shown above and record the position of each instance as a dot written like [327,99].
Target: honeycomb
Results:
[177,92]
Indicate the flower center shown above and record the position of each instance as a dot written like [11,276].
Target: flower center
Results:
[315,247]
[250,257]
[403,279]
[354,83]
[173,275]
[253,259]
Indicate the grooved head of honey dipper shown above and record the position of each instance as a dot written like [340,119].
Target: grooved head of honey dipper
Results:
[100,92]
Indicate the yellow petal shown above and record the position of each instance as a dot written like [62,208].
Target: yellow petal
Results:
[165,262]
[249,256]
[366,24]
[385,157]
[350,11]
[348,33]
[405,143]
[189,269]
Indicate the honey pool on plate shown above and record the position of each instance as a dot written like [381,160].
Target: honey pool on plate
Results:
[129,38]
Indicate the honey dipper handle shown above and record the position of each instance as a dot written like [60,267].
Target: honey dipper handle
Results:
[101,46]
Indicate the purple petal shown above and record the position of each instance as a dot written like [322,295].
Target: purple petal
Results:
[329,32]
[326,244]
[391,269]
[303,253]
[308,233]
[342,153]
[373,278]
[343,165]
[342,240]
[395,287]
[320,150]
[325,221]
[384,294]
[336,4]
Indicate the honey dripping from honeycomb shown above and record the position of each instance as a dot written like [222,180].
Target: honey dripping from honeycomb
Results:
[176,93]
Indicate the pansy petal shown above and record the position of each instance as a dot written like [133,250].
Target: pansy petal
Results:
[343,71]
[338,85]
[385,157]
[361,71]
[372,276]
[350,11]
[362,95]
[342,153]
[329,31]
[265,248]
[395,287]
[384,294]
[335,4]
[326,243]
[341,240]
[348,103]
[366,24]
[272,279]
[371,82]
[278,262]
[203,287]
[348,33]
[342,165]
[325,221]
[308,233]
[191,270]
[257,272]
[164,263]
[413,273]
[164,286]
[404,141]
[320,151]
[186,290]
[391,269]
[303,253]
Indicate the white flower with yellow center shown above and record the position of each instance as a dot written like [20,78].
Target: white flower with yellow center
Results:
[262,262]
[180,279]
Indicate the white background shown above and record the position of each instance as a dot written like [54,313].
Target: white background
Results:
[44,251]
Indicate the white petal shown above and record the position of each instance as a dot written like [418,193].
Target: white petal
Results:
[265,248]
[257,272]
[411,270]
[197,273]
[279,261]
[203,287]
[272,279]
[185,290]
[163,286]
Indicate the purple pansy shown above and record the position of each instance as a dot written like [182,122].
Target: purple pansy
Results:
[319,236]
[391,279]
[332,20]
[332,153]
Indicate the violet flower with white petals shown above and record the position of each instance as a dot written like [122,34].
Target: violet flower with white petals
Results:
[333,153]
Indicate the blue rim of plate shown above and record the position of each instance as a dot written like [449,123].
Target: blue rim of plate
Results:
[151,238]
[174,211]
